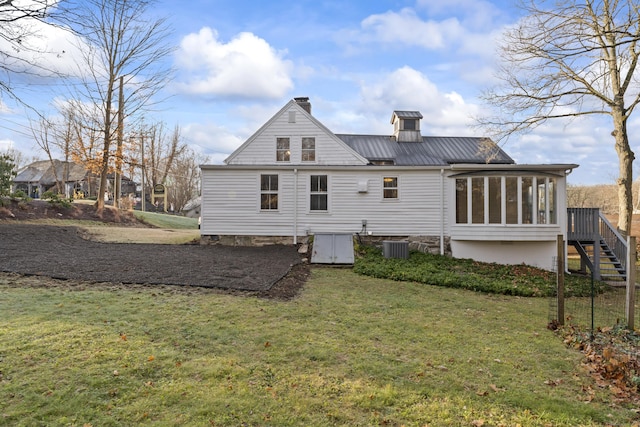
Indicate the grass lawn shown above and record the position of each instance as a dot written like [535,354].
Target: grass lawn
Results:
[175,222]
[348,351]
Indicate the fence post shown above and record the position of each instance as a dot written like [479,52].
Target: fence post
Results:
[560,280]
[630,305]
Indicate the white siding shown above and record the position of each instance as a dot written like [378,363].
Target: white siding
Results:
[262,148]
[230,203]
[538,254]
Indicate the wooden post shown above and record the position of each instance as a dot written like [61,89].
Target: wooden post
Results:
[631,281]
[560,280]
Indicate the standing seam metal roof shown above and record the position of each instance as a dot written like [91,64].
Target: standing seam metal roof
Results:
[432,151]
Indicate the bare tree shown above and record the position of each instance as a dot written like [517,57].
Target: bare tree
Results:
[43,134]
[18,31]
[161,149]
[185,178]
[122,42]
[571,58]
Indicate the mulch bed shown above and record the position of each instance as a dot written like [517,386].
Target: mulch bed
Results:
[60,252]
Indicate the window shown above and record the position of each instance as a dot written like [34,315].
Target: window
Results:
[390,187]
[495,200]
[318,195]
[308,149]
[528,202]
[461,201]
[410,124]
[506,200]
[553,219]
[283,150]
[511,202]
[477,200]
[268,192]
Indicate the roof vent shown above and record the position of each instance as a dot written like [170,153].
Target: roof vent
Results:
[304,103]
[406,126]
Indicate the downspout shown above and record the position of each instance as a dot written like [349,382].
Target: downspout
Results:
[295,206]
[564,225]
[441,211]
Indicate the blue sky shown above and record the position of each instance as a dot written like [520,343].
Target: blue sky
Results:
[238,62]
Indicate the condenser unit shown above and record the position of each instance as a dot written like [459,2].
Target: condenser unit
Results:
[395,249]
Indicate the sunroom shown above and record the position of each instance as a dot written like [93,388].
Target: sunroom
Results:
[510,213]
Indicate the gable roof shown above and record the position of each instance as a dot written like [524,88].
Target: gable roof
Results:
[43,172]
[405,115]
[432,151]
[295,104]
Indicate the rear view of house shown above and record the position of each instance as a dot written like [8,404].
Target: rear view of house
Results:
[464,196]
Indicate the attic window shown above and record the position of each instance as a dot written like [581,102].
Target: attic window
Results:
[410,124]
[383,162]
[283,150]
[308,149]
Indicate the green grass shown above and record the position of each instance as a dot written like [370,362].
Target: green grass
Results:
[167,221]
[430,269]
[349,351]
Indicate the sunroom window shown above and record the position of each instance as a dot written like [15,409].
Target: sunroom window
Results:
[506,200]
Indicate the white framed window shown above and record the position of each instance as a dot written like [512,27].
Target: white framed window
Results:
[283,149]
[308,149]
[268,192]
[319,193]
[390,187]
[506,200]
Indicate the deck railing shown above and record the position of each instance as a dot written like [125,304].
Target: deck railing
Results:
[590,225]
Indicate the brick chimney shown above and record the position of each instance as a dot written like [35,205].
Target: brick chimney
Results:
[303,101]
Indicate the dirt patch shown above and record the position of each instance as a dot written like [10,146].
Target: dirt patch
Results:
[40,209]
[60,252]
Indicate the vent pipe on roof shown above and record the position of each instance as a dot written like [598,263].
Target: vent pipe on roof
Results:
[303,101]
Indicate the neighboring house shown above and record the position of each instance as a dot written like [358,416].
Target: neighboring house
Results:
[464,196]
[192,208]
[42,176]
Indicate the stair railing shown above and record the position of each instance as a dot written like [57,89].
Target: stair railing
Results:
[614,240]
[589,224]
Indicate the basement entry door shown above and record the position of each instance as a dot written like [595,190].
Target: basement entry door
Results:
[332,249]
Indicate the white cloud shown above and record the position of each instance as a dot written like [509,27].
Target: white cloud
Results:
[46,51]
[5,145]
[408,89]
[215,141]
[246,66]
[392,27]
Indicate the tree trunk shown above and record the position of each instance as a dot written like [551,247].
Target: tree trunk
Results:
[625,178]
[102,189]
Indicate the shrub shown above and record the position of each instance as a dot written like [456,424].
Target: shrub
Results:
[57,200]
[439,270]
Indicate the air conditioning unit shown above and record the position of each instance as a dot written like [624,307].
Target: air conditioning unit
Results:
[395,249]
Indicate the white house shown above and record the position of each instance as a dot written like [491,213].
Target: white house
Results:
[463,196]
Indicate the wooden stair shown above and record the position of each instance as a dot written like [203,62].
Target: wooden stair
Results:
[602,248]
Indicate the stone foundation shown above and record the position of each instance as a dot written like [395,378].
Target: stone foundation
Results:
[237,240]
[426,244]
